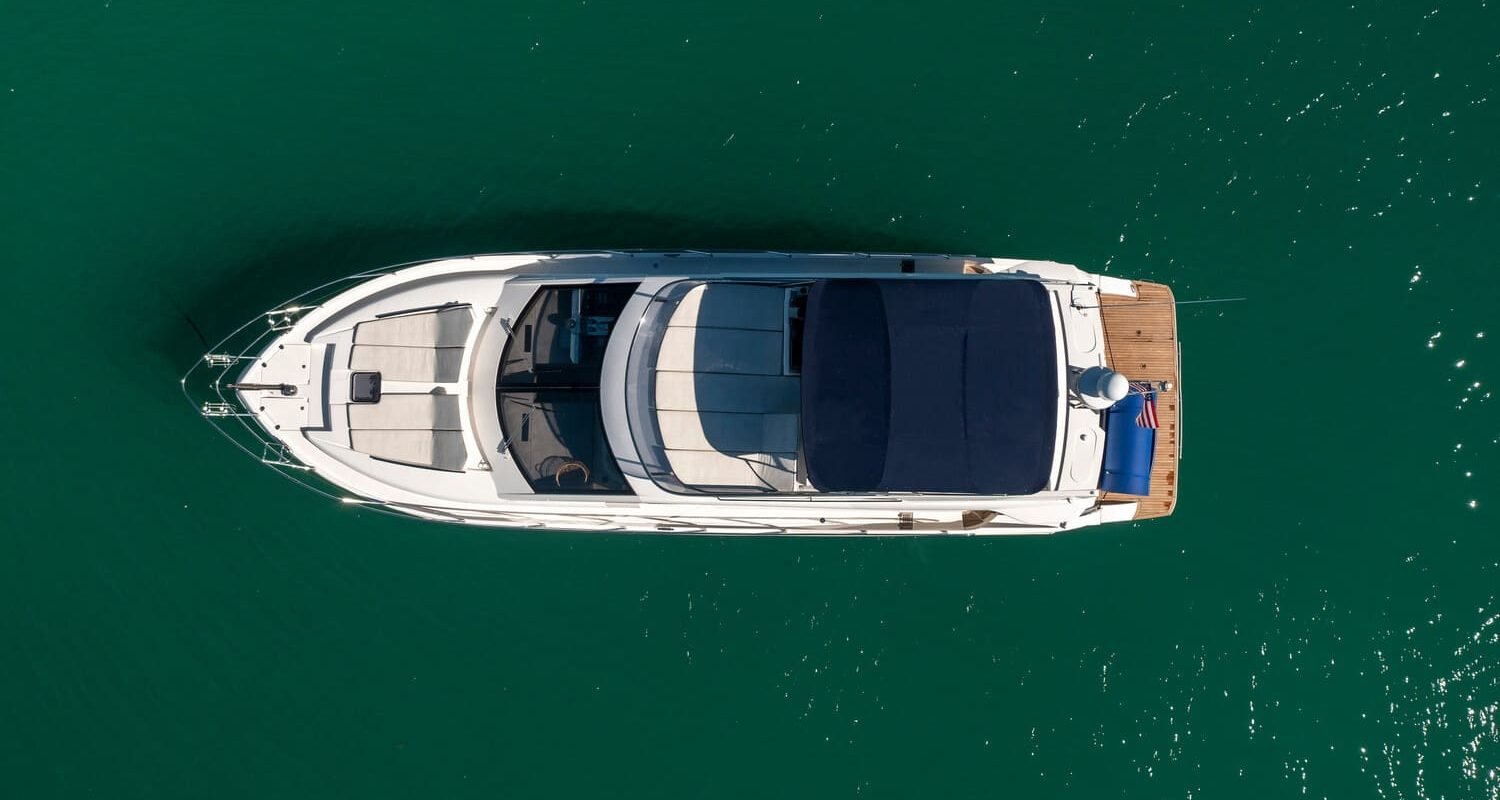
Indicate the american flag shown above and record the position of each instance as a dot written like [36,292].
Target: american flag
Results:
[1147,417]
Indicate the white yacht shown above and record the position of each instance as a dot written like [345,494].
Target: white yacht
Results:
[717,393]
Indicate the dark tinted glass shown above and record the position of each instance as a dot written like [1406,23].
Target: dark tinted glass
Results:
[548,389]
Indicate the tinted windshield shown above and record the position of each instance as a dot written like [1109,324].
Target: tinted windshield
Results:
[548,389]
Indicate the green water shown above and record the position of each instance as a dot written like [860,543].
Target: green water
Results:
[1319,616]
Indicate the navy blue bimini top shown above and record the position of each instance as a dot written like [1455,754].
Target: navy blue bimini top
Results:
[929,385]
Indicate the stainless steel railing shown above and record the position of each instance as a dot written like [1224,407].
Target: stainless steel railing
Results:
[206,384]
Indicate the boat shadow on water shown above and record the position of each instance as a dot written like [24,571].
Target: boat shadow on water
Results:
[247,284]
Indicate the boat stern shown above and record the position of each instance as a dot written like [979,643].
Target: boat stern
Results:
[1140,341]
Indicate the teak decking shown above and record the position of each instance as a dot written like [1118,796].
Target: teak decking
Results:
[1140,340]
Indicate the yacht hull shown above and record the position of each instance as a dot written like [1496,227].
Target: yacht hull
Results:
[293,389]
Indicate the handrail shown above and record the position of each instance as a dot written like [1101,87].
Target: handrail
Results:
[205,383]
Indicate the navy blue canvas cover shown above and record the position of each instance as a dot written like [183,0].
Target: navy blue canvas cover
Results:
[929,385]
[1128,449]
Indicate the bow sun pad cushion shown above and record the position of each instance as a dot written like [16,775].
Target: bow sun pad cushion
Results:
[942,385]
[421,346]
[1128,449]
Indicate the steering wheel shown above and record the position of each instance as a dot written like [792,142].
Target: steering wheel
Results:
[570,465]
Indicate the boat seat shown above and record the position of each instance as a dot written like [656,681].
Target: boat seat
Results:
[727,413]
[420,430]
[422,346]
